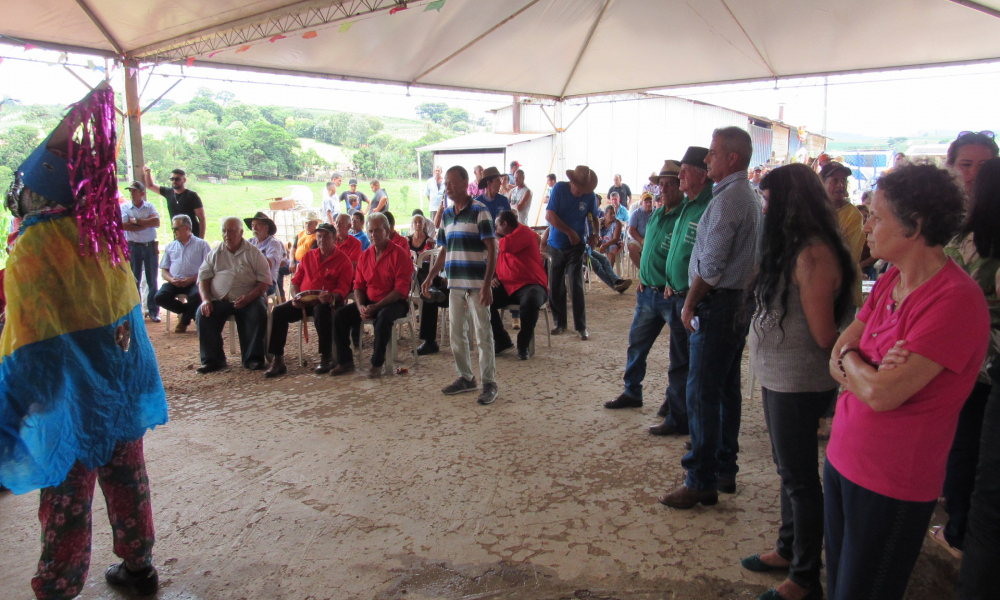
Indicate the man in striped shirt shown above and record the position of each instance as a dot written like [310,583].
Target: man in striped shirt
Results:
[468,257]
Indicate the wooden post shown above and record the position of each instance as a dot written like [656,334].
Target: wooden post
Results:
[132,110]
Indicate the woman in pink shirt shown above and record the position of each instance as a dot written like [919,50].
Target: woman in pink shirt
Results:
[895,422]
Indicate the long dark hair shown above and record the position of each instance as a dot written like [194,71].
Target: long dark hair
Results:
[798,214]
[983,218]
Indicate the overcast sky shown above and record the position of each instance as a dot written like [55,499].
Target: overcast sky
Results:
[900,103]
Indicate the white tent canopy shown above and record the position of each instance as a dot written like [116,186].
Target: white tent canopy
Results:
[544,48]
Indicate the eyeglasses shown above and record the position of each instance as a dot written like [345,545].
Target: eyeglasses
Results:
[176,178]
[987,133]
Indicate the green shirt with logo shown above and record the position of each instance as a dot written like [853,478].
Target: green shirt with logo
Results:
[682,240]
[653,263]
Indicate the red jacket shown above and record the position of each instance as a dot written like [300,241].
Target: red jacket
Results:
[332,274]
[351,247]
[392,271]
[519,262]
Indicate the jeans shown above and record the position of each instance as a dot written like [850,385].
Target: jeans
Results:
[143,257]
[348,317]
[65,515]
[602,268]
[465,307]
[872,541]
[714,399]
[529,299]
[792,420]
[960,474]
[251,326]
[285,314]
[978,580]
[167,298]
[567,261]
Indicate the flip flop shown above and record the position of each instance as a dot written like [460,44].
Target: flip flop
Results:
[936,533]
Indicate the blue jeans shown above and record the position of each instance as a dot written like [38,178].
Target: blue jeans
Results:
[978,580]
[652,312]
[143,257]
[714,400]
[602,268]
[872,541]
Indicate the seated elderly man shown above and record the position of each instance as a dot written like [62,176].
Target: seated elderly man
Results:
[358,230]
[381,293]
[179,267]
[263,239]
[320,285]
[232,282]
[345,242]
[520,279]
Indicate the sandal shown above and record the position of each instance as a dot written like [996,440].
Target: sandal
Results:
[936,533]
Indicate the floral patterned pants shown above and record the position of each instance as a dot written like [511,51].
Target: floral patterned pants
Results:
[64,513]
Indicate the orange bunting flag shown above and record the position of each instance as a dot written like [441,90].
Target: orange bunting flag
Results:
[309,35]
[397,9]
[190,60]
[276,38]
[243,49]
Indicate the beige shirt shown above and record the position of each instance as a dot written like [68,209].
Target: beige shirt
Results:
[234,274]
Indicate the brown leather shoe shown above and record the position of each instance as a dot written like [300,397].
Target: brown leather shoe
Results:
[325,364]
[342,369]
[276,368]
[374,372]
[666,429]
[685,497]
[181,327]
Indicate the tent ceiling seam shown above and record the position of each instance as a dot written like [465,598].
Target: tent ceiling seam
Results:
[476,40]
[586,44]
[747,36]
[100,26]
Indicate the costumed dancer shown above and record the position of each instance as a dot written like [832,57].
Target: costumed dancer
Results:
[79,383]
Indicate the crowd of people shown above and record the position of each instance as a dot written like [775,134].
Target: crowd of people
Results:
[726,256]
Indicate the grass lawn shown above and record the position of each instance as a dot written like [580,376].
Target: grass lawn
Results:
[245,197]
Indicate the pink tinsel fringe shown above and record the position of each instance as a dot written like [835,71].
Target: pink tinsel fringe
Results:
[92,170]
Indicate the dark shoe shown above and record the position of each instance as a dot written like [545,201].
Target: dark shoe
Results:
[181,327]
[685,497]
[622,284]
[428,347]
[559,330]
[772,594]
[489,395]
[623,401]
[277,368]
[755,564]
[727,485]
[255,365]
[687,445]
[460,386]
[522,354]
[325,364]
[666,429]
[584,335]
[499,349]
[375,372]
[664,410]
[209,368]
[342,369]
[142,583]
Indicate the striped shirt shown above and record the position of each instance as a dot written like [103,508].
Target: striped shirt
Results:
[726,245]
[462,235]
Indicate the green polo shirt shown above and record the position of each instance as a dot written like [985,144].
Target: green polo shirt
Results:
[685,230]
[653,263]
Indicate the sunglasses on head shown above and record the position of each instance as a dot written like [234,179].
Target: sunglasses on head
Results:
[987,133]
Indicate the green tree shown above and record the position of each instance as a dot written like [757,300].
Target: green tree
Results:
[311,160]
[275,115]
[432,111]
[202,103]
[461,126]
[270,150]
[225,97]
[454,115]
[16,144]
[246,113]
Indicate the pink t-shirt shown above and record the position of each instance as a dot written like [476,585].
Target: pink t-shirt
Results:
[901,453]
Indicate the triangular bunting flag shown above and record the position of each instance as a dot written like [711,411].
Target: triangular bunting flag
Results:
[29,46]
[214,53]
[344,28]
[309,35]
[436,5]
[243,49]
[276,38]
[397,9]
[190,61]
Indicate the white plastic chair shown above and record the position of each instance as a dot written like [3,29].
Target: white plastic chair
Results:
[397,329]
[182,297]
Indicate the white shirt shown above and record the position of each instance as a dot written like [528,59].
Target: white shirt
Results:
[146,211]
[274,252]
[234,274]
[435,192]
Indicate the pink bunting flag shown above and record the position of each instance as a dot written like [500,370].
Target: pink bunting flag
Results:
[276,38]
[190,61]
[397,9]
[28,46]
[214,53]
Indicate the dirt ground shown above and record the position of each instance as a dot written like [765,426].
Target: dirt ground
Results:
[311,487]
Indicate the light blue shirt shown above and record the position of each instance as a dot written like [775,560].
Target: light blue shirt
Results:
[273,250]
[146,211]
[435,192]
[363,237]
[184,260]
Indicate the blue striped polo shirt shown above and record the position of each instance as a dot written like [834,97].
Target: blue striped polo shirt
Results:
[462,236]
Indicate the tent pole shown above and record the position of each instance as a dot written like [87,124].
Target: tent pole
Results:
[560,139]
[134,115]
[420,195]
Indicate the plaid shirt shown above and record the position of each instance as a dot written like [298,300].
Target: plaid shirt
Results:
[726,248]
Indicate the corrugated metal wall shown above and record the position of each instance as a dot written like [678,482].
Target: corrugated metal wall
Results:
[761,137]
[536,158]
[779,143]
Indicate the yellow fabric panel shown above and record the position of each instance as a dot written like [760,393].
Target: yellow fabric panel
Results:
[53,290]
[851,222]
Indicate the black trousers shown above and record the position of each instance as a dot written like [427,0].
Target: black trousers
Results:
[348,317]
[792,420]
[529,299]
[568,261]
[251,326]
[284,314]
[429,310]
[167,298]
[960,474]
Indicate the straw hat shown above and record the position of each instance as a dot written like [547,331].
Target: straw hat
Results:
[584,178]
[670,168]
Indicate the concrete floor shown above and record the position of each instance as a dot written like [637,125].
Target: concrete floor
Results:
[310,487]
